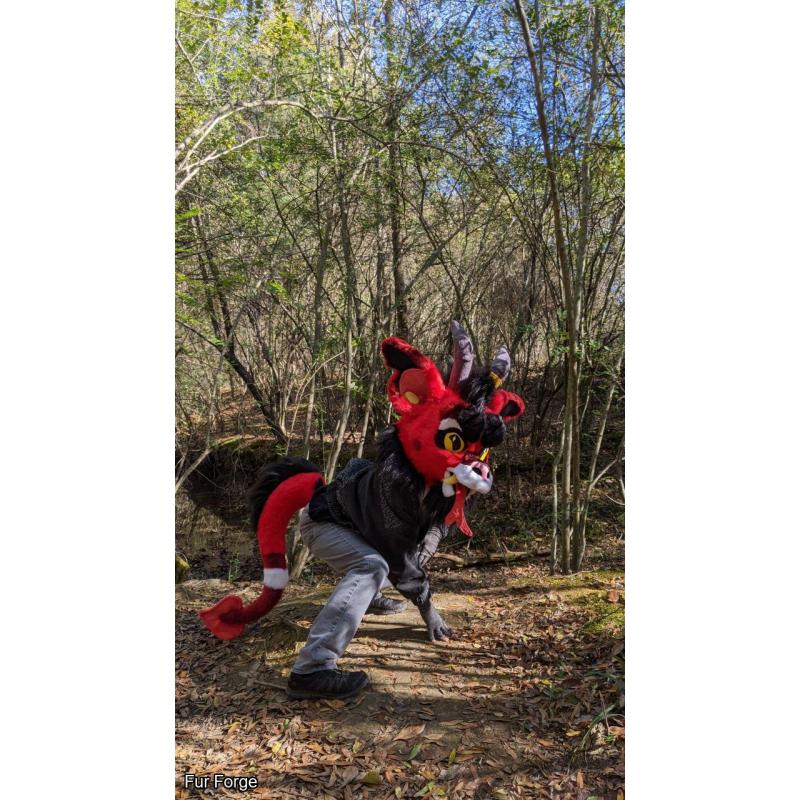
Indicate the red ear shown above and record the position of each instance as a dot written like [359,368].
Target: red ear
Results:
[506,404]
[415,377]
[414,385]
[401,355]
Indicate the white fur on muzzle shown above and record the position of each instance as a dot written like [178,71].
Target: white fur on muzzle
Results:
[466,475]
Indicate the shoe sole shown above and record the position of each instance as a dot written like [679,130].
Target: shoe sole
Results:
[308,694]
[385,613]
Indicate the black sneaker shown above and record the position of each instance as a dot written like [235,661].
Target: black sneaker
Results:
[334,683]
[385,605]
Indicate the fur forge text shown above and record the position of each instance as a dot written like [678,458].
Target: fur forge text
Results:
[431,459]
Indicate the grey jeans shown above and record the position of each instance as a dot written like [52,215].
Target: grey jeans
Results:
[364,572]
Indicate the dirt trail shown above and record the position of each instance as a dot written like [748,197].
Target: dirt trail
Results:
[525,703]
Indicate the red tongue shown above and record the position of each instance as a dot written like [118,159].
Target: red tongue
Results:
[457,512]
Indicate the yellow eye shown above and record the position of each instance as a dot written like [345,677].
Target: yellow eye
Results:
[453,442]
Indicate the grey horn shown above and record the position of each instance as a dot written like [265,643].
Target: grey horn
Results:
[501,363]
[463,356]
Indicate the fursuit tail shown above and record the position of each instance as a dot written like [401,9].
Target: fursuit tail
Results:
[280,490]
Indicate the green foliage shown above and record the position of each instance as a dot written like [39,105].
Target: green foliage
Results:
[191,213]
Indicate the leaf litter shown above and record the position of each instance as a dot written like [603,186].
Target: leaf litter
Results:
[528,701]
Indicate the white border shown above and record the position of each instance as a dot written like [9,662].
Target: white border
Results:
[87,399]
[712,442]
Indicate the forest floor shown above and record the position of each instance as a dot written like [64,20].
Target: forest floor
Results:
[528,701]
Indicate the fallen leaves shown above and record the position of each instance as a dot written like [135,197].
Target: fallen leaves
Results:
[371,778]
[527,696]
[468,754]
[430,789]
[409,732]
[415,751]
[349,775]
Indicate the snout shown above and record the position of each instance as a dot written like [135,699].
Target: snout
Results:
[474,474]
[482,469]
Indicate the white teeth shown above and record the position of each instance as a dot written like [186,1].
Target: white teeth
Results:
[448,490]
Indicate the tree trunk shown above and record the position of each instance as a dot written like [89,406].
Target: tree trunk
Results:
[297,552]
[350,299]
[579,524]
[393,178]
[592,477]
[224,335]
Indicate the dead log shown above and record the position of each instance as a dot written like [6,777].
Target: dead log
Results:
[492,558]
